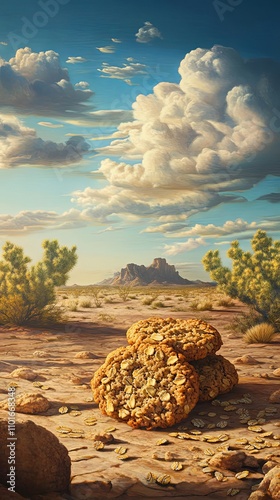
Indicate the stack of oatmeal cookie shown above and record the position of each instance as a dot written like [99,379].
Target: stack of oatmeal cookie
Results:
[168,367]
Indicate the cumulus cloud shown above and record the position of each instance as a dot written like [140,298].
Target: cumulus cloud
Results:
[36,83]
[76,60]
[190,244]
[82,85]
[213,231]
[147,33]
[3,43]
[19,145]
[191,144]
[106,50]
[116,40]
[125,72]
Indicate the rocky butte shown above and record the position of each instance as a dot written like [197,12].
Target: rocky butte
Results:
[158,273]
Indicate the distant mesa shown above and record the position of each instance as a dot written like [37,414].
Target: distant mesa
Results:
[158,273]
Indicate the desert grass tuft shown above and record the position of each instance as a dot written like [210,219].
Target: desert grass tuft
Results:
[147,301]
[201,306]
[158,304]
[85,303]
[225,302]
[106,318]
[261,333]
[72,305]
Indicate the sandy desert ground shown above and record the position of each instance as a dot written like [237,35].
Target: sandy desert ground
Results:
[63,376]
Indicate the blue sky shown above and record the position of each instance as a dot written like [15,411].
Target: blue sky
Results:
[137,130]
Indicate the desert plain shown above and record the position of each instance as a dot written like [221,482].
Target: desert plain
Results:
[65,358]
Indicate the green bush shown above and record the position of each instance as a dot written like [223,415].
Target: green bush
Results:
[254,278]
[27,294]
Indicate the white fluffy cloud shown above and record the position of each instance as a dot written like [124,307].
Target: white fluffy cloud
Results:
[19,145]
[31,221]
[76,60]
[108,49]
[36,83]
[197,141]
[187,246]
[82,85]
[51,125]
[211,230]
[147,33]
[125,72]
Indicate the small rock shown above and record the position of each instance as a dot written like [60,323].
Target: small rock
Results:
[268,466]
[40,354]
[42,462]
[29,403]
[85,355]
[232,460]
[276,372]
[77,380]
[105,438]
[275,397]
[24,373]
[246,360]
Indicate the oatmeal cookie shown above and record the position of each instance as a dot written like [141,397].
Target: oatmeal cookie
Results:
[147,386]
[217,375]
[193,338]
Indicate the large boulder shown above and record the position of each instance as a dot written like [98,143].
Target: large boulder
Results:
[270,486]
[42,463]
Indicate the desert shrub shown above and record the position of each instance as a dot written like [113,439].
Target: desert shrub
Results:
[243,322]
[147,301]
[201,306]
[109,300]
[124,292]
[263,333]
[225,302]
[106,318]
[194,305]
[97,295]
[72,305]
[158,304]
[14,311]
[205,306]
[27,294]
[254,278]
[85,303]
